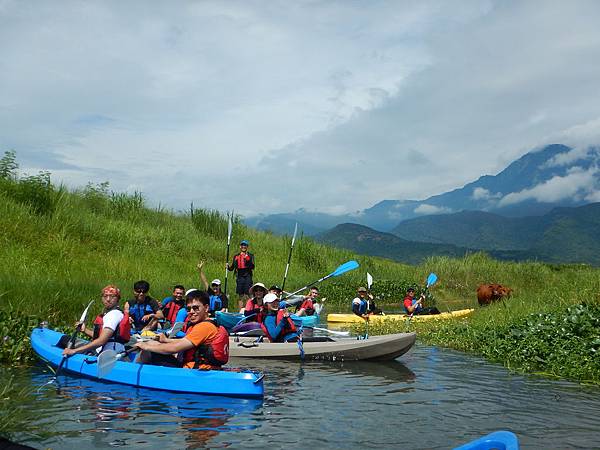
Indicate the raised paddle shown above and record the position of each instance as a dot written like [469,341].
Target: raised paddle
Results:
[71,342]
[287,267]
[342,269]
[229,230]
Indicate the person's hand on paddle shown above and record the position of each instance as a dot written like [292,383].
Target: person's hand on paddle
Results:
[80,326]
[69,351]
[162,338]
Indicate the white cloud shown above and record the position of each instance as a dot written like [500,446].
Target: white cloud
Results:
[577,183]
[480,193]
[328,105]
[431,209]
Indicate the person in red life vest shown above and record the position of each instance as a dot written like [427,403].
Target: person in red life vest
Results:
[413,306]
[307,307]
[111,328]
[204,346]
[171,305]
[254,306]
[243,265]
[277,324]
[218,299]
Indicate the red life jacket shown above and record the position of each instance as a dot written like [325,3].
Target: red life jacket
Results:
[289,326]
[215,353]
[308,306]
[243,260]
[123,332]
[170,311]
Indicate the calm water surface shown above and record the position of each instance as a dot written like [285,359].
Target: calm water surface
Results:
[427,399]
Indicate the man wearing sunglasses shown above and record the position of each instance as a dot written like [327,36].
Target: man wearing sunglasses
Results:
[204,346]
[144,311]
[218,300]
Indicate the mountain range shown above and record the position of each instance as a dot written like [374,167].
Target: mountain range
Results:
[541,206]
[536,183]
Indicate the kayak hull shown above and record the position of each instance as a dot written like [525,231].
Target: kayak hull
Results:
[376,348]
[230,320]
[353,318]
[212,382]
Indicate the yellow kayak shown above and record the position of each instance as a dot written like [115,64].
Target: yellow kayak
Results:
[353,318]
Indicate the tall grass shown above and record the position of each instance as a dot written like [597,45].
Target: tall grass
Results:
[59,248]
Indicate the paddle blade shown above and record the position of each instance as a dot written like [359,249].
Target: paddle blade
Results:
[229,228]
[106,361]
[85,311]
[431,279]
[369,280]
[177,327]
[295,232]
[346,267]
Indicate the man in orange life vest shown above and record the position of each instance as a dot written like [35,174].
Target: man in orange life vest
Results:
[243,265]
[205,346]
[111,328]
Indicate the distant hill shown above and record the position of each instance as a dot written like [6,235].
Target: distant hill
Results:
[532,185]
[564,235]
[365,240]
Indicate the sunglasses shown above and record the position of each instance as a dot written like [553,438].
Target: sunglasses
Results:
[215,285]
[140,291]
[110,296]
[194,308]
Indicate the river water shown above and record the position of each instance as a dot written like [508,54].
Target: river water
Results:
[429,398]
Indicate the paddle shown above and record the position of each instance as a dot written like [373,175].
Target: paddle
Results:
[176,328]
[342,269]
[108,358]
[336,333]
[287,267]
[229,230]
[71,343]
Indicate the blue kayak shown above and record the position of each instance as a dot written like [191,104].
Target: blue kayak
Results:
[213,382]
[230,320]
[498,440]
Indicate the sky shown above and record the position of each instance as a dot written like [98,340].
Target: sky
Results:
[273,106]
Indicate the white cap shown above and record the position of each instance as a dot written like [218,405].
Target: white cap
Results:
[190,290]
[270,298]
[216,281]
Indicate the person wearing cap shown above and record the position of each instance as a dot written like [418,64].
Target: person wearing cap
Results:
[144,311]
[277,324]
[111,328]
[254,306]
[242,265]
[307,308]
[218,299]
[171,305]
[361,305]
[413,306]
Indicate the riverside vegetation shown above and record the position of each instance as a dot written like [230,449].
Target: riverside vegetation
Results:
[59,247]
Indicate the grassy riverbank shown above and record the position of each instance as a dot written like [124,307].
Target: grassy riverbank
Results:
[59,248]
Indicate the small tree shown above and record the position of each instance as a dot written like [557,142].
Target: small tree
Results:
[9,166]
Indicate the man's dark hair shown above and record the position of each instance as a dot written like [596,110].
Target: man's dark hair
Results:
[196,294]
[315,288]
[410,290]
[142,285]
[179,286]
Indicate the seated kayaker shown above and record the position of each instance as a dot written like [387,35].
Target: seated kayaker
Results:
[413,306]
[204,346]
[111,328]
[364,304]
[307,307]
[144,311]
[277,324]
[218,300]
[254,305]
[171,305]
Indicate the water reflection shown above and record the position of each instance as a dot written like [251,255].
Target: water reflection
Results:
[99,410]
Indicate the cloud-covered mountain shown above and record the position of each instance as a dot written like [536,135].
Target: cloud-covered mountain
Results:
[539,181]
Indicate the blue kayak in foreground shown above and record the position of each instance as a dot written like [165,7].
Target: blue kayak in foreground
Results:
[213,382]
[498,440]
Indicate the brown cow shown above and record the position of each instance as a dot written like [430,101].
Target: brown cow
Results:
[488,293]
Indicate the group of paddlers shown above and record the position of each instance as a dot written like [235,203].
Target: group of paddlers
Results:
[201,343]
